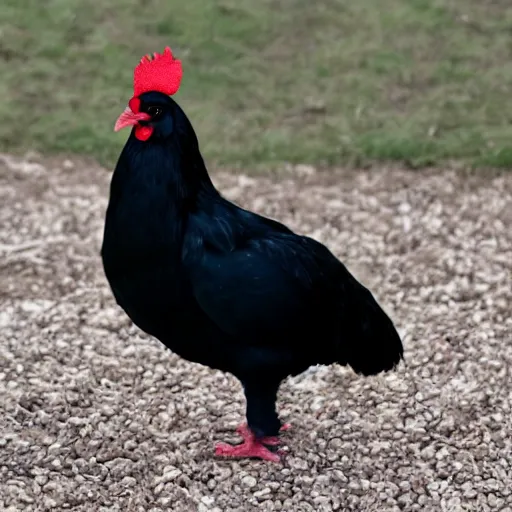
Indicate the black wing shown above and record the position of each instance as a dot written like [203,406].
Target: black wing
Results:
[270,291]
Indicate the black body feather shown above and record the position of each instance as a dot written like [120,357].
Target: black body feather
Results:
[225,287]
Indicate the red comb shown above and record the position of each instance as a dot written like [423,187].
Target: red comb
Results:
[162,73]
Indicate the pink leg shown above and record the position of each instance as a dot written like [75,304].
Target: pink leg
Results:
[251,447]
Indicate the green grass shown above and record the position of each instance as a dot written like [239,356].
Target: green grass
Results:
[268,81]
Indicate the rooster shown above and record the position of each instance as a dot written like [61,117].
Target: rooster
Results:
[220,285]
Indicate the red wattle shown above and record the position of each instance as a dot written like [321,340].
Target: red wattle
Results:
[143,132]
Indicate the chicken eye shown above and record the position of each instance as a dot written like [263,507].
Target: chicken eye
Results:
[154,111]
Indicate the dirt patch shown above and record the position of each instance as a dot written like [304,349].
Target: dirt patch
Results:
[95,416]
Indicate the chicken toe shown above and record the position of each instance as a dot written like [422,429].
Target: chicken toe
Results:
[251,447]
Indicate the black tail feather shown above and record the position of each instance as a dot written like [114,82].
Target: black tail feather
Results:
[374,345]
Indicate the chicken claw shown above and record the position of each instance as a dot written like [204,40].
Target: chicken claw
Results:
[251,447]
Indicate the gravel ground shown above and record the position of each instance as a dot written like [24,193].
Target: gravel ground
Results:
[95,416]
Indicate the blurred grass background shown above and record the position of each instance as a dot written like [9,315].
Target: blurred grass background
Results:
[268,81]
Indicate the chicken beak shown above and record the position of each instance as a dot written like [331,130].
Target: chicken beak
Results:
[130,118]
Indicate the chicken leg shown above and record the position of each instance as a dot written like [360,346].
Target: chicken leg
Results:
[260,434]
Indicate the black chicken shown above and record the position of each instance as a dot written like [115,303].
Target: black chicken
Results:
[219,285]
